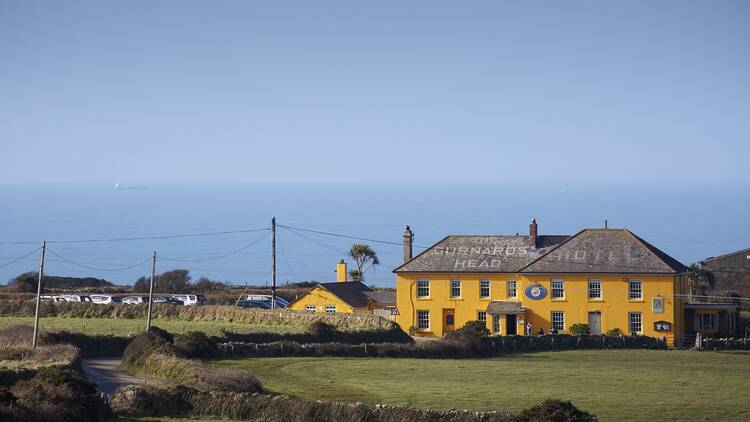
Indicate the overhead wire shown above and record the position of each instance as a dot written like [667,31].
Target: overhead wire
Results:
[70,261]
[135,238]
[386,242]
[213,258]
[14,260]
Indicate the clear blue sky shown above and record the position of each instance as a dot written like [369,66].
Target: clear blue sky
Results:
[242,91]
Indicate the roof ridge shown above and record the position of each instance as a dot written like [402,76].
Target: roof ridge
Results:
[657,252]
[552,250]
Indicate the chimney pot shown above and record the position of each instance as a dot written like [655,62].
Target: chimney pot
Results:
[408,236]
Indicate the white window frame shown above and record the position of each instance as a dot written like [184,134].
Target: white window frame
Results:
[557,292]
[496,324]
[595,285]
[482,316]
[455,288]
[423,319]
[635,294]
[511,289]
[635,320]
[311,308]
[330,309]
[482,288]
[711,319]
[557,324]
[423,288]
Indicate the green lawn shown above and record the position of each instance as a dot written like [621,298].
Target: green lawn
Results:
[616,385]
[124,327]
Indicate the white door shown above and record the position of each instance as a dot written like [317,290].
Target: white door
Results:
[595,323]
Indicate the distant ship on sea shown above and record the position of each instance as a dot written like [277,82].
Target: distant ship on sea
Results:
[118,186]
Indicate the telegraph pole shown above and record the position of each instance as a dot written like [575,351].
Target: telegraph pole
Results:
[151,292]
[273,263]
[39,294]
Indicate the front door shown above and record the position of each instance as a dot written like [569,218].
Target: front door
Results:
[449,319]
[510,326]
[595,323]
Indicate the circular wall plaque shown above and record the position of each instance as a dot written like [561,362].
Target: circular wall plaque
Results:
[536,292]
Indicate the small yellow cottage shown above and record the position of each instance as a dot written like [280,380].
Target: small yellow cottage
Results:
[345,296]
[522,284]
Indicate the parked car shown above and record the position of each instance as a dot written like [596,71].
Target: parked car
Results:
[254,304]
[76,298]
[105,299]
[280,301]
[135,299]
[167,300]
[191,300]
[47,298]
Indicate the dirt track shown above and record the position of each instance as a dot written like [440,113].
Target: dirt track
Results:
[106,373]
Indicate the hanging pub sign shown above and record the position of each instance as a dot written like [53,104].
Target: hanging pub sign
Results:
[658,304]
[662,326]
[536,292]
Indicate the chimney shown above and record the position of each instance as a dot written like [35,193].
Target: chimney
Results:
[341,273]
[533,234]
[408,238]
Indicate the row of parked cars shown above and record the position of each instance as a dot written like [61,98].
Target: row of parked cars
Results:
[105,299]
[262,302]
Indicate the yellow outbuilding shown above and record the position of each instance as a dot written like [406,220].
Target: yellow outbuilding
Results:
[609,279]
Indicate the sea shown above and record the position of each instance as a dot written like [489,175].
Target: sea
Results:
[222,231]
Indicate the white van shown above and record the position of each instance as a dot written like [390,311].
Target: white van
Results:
[105,299]
[76,298]
[191,300]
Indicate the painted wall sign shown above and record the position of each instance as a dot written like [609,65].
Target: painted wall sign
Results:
[536,292]
[662,326]
[658,304]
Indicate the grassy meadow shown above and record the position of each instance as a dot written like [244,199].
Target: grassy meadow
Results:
[616,385]
[125,327]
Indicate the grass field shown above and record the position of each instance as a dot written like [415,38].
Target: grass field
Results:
[616,385]
[124,327]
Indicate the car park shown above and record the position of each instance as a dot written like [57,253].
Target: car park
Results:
[76,298]
[254,304]
[167,300]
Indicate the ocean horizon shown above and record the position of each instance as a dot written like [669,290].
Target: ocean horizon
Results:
[689,223]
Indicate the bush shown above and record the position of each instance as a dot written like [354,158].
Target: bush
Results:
[196,344]
[472,333]
[391,335]
[143,345]
[56,394]
[554,411]
[614,332]
[578,329]
[322,330]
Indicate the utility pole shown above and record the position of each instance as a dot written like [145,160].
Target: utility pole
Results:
[151,292]
[39,294]
[273,263]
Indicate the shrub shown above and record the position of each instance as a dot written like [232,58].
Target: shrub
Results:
[322,330]
[472,333]
[196,344]
[555,411]
[56,394]
[413,330]
[578,329]
[614,332]
[143,345]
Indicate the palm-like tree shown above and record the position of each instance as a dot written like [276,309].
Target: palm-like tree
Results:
[362,255]
[699,280]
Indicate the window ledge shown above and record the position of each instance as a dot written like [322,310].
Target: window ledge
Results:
[596,300]
[424,298]
[636,300]
[558,300]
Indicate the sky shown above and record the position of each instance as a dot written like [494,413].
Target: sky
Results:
[328,91]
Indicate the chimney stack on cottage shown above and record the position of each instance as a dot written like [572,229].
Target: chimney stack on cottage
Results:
[408,239]
[533,234]
[341,273]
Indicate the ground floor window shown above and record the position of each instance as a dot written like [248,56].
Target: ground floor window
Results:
[482,316]
[635,323]
[423,320]
[708,321]
[330,309]
[558,321]
[310,308]
[496,324]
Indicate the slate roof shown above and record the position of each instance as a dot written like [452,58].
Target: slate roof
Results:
[479,254]
[598,251]
[605,251]
[358,295]
[504,308]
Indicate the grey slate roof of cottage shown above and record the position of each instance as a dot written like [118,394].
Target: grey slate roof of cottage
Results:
[480,254]
[604,251]
[599,251]
[358,294]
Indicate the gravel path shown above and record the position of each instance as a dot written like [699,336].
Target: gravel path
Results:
[107,374]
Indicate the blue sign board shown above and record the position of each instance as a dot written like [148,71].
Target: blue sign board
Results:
[536,292]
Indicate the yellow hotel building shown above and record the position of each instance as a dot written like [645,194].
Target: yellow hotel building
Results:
[523,284]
